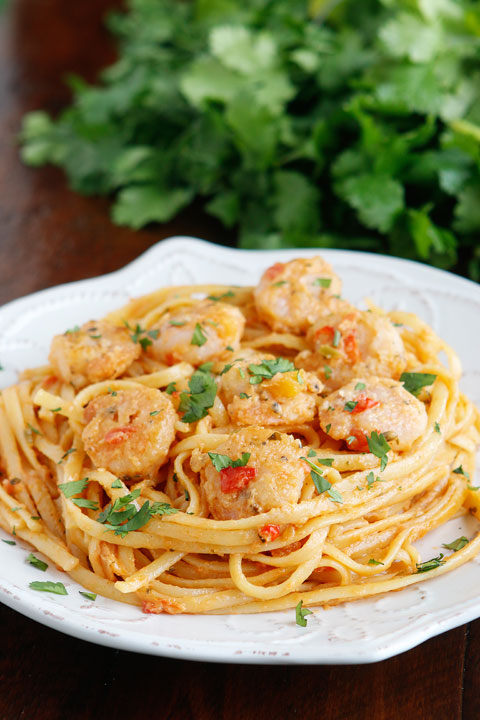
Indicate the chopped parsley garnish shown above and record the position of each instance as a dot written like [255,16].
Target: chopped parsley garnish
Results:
[229,348]
[311,453]
[327,429]
[141,335]
[350,405]
[33,429]
[220,462]
[34,517]
[198,338]
[75,329]
[414,382]
[203,390]
[430,564]
[171,388]
[88,595]
[379,447]
[84,503]
[39,564]
[323,282]
[460,471]
[154,413]
[436,427]
[73,488]
[372,561]
[65,455]
[122,517]
[336,338]
[56,409]
[187,495]
[9,542]
[268,368]
[372,479]
[244,396]
[360,386]
[216,298]
[473,487]
[457,544]
[279,283]
[301,613]
[113,393]
[325,461]
[321,483]
[54,587]
[328,371]
[178,323]
[117,484]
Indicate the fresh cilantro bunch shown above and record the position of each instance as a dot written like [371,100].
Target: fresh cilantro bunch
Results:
[330,124]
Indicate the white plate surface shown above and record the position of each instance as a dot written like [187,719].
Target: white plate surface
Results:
[360,632]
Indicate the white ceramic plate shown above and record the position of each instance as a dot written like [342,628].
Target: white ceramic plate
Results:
[360,632]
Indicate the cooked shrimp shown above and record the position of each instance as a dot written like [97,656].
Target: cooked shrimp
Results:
[351,342]
[290,296]
[373,404]
[285,396]
[130,433]
[272,477]
[198,333]
[97,351]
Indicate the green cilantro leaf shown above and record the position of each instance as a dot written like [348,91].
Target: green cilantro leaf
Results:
[379,447]
[88,595]
[414,382]
[460,471]
[196,403]
[39,564]
[323,282]
[220,462]
[430,564]
[372,561]
[350,405]
[268,368]
[171,388]
[54,587]
[457,544]
[73,488]
[301,613]
[9,542]
[198,338]
[117,484]
[84,503]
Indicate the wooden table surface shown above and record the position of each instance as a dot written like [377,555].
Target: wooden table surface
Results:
[49,235]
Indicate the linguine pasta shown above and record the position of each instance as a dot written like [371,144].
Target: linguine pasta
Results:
[187,533]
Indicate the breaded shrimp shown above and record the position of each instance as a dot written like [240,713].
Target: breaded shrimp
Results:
[97,351]
[130,433]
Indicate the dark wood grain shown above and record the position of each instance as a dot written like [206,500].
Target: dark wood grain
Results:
[50,235]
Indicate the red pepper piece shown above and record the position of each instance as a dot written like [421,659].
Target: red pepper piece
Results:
[116,436]
[234,479]
[269,532]
[364,403]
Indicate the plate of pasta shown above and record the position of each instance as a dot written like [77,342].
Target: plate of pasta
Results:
[225,455]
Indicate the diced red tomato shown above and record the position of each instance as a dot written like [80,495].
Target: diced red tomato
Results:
[157,607]
[50,380]
[272,272]
[328,331]
[360,443]
[269,532]
[364,403]
[116,436]
[234,479]
[351,348]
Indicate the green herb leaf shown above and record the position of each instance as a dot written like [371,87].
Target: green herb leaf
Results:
[457,544]
[9,542]
[53,587]
[220,462]
[301,613]
[84,503]
[178,323]
[430,564]
[117,484]
[350,405]
[360,386]
[73,488]
[323,282]
[268,368]
[198,338]
[379,447]
[460,471]
[372,561]
[327,371]
[196,403]
[88,595]
[414,382]
[39,564]
[437,428]
[171,388]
